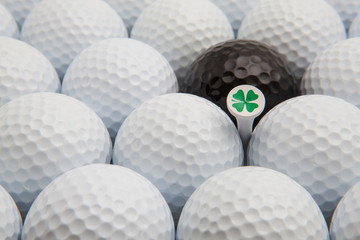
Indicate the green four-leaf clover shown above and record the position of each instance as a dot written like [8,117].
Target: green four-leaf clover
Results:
[241,102]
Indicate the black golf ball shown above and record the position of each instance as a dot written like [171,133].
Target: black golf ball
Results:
[229,64]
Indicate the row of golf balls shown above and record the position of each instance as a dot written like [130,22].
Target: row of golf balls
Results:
[81,203]
[62,29]
[130,10]
[281,24]
[151,112]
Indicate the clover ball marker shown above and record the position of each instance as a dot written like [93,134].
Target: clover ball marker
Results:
[245,103]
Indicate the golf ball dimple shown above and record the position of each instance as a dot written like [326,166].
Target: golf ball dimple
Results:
[235,10]
[315,139]
[345,221]
[115,76]
[177,141]
[20,8]
[10,219]
[43,135]
[180,30]
[335,72]
[61,29]
[251,203]
[23,70]
[99,201]
[129,10]
[236,62]
[299,30]
[8,26]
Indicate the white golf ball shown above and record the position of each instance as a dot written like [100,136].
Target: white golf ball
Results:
[345,222]
[43,135]
[99,201]
[61,29]
[181,30]
[20,8]
[335,72]
[251,203]
[297,29]
[177,141]
[235,10]
[10,219]
[129,10]
[347,10]
[8,26]
[23,70]
[354,30]
[115,76]
[315,139]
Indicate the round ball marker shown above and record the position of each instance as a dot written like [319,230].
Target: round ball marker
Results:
[245,103]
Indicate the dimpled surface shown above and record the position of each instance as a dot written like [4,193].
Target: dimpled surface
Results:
[235,10]
[8,25]
[235,62]
[10,219]
[177,141]
[336,72]
[61,29]
[19,8]
[345,222]
[180,30]
[347,10]
[251,203]
[43,135]
[315,139]
[297,29]
[354,30]
[115,76]
[129,10]
[23,70]
[99,201]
